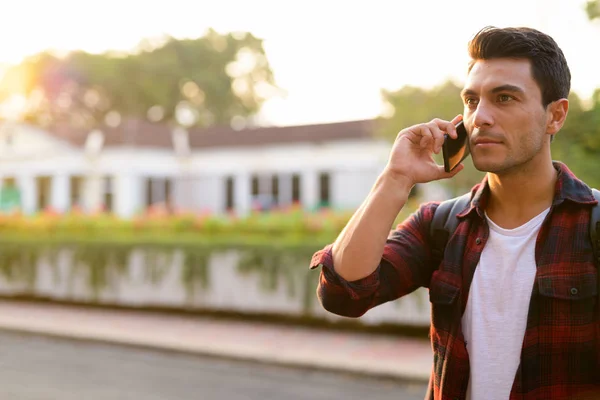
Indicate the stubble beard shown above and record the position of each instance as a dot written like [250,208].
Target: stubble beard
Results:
[515,161]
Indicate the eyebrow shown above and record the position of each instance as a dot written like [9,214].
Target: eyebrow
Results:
[498,89]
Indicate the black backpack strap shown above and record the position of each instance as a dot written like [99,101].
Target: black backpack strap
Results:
[595,237]
[595,229]
[444,223]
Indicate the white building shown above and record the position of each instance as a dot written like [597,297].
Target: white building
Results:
[138,164]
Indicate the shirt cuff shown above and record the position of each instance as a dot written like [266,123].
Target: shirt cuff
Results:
[358,289]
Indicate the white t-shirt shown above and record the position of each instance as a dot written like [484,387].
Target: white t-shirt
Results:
[495,317]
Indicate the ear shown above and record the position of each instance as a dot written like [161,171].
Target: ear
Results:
[556,115]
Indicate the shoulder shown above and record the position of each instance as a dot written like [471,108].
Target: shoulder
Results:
[426,211]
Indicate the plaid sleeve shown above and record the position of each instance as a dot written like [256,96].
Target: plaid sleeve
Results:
[404,267]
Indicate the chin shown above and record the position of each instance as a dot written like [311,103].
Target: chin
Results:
[491,166]
[482,165]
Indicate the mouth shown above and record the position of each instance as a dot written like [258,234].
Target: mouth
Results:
[485,142]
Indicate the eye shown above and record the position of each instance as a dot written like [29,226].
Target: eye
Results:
[471,101]
[504,98]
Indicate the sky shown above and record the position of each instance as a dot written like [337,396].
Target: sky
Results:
[331,58]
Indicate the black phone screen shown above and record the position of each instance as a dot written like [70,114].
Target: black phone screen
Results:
[455,150]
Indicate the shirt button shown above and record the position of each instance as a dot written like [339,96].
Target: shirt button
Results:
[574,291]
[478,240]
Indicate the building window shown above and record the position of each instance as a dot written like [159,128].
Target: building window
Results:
[148,186]
[10,196]
[108,194]
[275,189]
[324,190]
[295,188]
[168,192]
[44,187]
[158,192]
[229,193]
[76,187]
[255,185]
[262,187]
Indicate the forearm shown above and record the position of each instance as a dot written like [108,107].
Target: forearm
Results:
[358,249]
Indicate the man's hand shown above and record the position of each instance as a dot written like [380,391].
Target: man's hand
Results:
[411,158]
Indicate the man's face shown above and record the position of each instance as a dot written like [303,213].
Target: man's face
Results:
[503,114]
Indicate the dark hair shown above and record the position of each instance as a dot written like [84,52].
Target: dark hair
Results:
[548,64]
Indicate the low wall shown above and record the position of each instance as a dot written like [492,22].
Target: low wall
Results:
[220,282]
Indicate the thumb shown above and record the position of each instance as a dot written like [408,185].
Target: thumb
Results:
[446,175]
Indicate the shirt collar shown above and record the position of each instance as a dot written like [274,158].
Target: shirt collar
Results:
[568,187]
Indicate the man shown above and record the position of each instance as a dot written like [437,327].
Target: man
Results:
[514,298]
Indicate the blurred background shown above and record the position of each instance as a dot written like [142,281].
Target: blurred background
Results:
[191,156]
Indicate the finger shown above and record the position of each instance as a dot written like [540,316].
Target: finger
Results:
[413,134]
[438,136]
[427,138]
[456,119]
[453,124]
[449,126]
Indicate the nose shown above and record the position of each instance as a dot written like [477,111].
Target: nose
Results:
[482,116]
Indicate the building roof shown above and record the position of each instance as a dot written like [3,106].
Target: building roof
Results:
[227,137]
[142,133]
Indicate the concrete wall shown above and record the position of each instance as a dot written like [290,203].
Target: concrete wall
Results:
[227,289]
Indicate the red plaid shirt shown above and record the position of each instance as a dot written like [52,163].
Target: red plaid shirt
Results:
[560,357]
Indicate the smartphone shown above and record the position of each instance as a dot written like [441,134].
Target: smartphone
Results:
[455,150]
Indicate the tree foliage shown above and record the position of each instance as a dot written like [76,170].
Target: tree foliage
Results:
[202,81]
[578,143]
[412,105]
[592,8]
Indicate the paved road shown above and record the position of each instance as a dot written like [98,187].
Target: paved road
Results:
[41,368]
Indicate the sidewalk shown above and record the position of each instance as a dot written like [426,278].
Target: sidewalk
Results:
[376,355]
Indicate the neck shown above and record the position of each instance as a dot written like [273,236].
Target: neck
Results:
[518,196]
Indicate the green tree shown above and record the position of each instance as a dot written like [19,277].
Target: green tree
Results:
[578,142]
[202,81]
[412,105]
[592,8]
